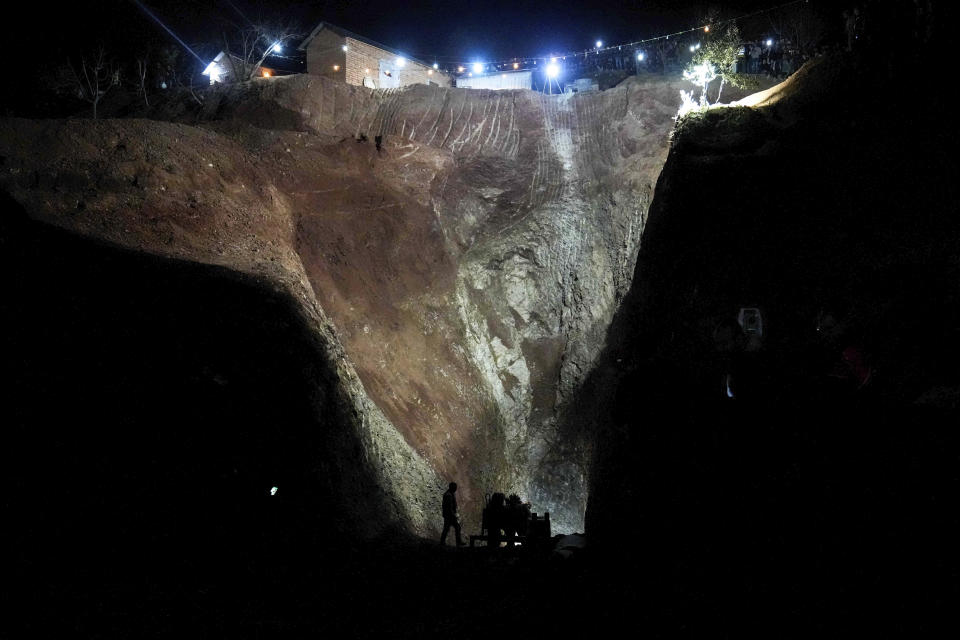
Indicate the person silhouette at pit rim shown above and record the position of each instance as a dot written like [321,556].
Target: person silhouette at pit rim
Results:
[496,516]
[451,518]
[516,517]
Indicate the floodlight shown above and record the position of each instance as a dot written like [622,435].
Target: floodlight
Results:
[214,71]
[401,61]
[436,66]
[344,47]
[639,56]
[478,67]
[599,43]
[553,70]
[769,43]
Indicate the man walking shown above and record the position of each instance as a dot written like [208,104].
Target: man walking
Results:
[450,516]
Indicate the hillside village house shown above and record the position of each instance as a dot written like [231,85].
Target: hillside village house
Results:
[227,67]
[337,53]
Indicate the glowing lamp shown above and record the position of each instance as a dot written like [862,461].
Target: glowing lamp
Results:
[436,66]
[273,490]
[769,43]
[401,61]
[516,65]
[344,47]
[477,67]
[599,43]
[692,48]
[553,71]
[265,73]
[706,29]
[459,69]
[277,47]
[553,59]
[639,56]
[366,70]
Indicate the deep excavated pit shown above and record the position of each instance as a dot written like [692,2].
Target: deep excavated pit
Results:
[203,327]
[462,278]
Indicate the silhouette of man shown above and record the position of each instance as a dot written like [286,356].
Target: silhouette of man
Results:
[450,516]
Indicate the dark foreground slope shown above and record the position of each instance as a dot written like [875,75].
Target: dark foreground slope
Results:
[151,407]
[812,495]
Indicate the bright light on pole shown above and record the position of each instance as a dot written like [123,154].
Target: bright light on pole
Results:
[640,56]
[599,43]
[553,70]
[769,43]
[436,66]
[277,47]
[214,71]
[478,67]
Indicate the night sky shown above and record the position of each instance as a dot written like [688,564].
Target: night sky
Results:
[444,31]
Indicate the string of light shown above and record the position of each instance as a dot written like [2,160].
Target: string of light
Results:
[460,65]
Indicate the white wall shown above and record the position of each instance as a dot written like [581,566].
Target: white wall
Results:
[506,80]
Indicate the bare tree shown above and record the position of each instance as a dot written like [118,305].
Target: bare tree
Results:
[92,78]
[142,65]
[800,24]
[173,70]
[246,48]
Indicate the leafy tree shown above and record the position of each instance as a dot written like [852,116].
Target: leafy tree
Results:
[718,51]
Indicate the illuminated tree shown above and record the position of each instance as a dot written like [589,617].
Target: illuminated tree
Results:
[719,50]
[701,75]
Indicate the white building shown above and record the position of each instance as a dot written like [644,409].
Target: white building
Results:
[498,80]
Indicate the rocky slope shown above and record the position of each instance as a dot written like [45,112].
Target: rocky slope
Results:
[460,279]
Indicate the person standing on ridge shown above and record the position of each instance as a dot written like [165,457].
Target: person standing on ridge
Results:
[450,516]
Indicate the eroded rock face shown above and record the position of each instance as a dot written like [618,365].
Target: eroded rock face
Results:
[463,276]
